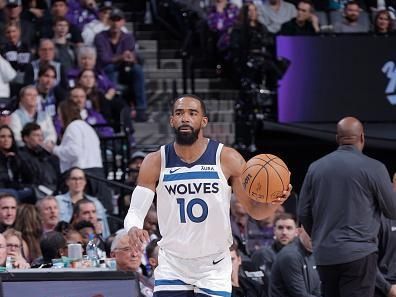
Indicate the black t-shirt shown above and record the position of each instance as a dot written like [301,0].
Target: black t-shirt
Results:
[292,28]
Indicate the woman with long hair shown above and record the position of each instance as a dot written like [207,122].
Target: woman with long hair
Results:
[12,177]
[112,109]
[29,224]
[383,23]
[80,147]
[252,46]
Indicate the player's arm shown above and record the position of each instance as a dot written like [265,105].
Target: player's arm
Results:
[233,165]
[141,200]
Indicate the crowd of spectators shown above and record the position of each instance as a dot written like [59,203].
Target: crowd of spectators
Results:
[72,65]
[69,75]
[238,36]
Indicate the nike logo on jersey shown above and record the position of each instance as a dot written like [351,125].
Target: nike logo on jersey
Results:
[174,170]
[393,228]
[215,262]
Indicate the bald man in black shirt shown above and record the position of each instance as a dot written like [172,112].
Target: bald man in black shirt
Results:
[341,201]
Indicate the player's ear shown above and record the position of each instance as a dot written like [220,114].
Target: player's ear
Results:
[204,122]
[171,121]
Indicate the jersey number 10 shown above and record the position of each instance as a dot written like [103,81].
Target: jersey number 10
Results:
[183,209]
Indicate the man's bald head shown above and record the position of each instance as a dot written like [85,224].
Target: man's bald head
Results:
[350,131]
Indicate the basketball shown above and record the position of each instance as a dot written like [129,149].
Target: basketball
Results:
[265,177]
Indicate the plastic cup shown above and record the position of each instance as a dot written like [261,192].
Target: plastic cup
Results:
[74,251]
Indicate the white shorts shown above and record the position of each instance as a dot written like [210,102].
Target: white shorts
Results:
[210,275]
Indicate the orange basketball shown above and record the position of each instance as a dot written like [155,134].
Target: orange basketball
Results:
[265,177]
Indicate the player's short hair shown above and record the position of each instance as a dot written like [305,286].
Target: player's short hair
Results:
[203,106]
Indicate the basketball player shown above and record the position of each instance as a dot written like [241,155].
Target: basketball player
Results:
[193,178]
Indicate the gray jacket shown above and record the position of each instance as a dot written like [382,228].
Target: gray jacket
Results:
[341,201]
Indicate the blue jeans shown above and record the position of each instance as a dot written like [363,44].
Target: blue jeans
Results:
[133,76]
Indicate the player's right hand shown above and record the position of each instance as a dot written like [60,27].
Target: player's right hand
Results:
[138,238]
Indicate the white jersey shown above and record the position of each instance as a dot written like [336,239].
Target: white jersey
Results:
[193,204]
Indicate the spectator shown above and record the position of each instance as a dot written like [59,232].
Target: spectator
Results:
[53,246]
[8,210]
[249,233]
[305,23]
[49,93]
[60,8]
[49,213]
[134,164]
[12,13]
[82,12]
[111,107]
[132,172]
[80,147]
[239,222]
[86,229]
[28,112]
[252,47]
[41,167]
[62,227]
[65,50]
[34,11]
[386,274]
[351,23]
[274,13]
[383,23]
[7,74]
[88,114]
[342,213]
[130,261]
[98,25]
[17,53]
[86,58]
[73,236]
[294,271]
[12,176]
[242,286]
[46,53]
[152,257]
[29,224]
[85,210]
[221,18]
[285,231]
[76,183]
[116,54]
[14,243]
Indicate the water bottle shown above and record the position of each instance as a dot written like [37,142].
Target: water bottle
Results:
[10,262]
[92,250]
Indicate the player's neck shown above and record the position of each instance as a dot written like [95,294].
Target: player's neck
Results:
[191,153]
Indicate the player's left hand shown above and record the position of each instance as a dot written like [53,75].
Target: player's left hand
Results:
[286,194]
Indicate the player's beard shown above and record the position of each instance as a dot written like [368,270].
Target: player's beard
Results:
[186,138]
